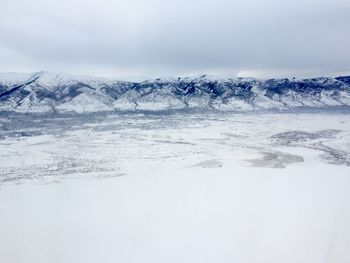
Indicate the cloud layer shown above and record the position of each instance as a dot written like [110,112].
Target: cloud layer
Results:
[148,38]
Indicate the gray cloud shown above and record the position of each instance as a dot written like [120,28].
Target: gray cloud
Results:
[139,38]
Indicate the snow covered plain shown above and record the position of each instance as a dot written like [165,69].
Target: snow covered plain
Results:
[183,187]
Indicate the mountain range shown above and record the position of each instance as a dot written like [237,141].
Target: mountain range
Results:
[52,92]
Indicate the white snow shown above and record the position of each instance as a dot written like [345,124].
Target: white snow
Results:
[176,188]
[84,103]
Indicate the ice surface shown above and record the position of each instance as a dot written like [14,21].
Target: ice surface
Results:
[175,188]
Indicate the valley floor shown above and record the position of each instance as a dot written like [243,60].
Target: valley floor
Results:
[175,188]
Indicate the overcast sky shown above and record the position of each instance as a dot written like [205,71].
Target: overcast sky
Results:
[137,39]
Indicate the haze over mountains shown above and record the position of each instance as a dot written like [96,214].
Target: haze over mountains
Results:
[51,92]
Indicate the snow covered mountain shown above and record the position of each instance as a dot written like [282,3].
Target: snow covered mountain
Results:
[46,92]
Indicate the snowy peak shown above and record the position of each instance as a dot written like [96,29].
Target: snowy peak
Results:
[45,91]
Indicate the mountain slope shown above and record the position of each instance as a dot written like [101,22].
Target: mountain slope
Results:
[44,92]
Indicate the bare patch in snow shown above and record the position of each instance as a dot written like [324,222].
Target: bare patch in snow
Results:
[209,164]
[276,160]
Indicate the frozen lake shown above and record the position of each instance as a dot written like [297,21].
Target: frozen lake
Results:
[175,188]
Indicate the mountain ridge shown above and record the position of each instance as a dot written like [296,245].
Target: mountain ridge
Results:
[58,92]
